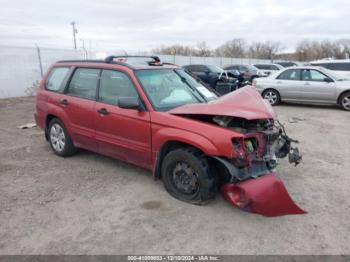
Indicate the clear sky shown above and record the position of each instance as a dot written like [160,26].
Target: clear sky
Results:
[146,24]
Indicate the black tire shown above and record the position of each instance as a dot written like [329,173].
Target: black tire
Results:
[274,94]
[202,176]
[344,101]
[68,149]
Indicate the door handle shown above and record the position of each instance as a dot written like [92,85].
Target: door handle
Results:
[279,82]
[103,111]
[307,84]
[64,102]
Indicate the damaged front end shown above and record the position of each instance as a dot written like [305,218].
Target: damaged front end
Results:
[249,175]
[252,183]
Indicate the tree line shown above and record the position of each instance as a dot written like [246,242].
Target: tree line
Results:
[305,50]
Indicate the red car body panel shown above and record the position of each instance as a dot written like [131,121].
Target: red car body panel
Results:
[265,195]
[138,136]
[244,103]
[124,134]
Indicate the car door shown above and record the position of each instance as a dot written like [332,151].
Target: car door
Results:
[317,87]
[78,104]
[121,133]
[288,84]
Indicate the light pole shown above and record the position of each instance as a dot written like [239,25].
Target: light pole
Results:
[75,31]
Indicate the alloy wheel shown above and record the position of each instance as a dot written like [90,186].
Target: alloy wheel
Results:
[57,137]
[271,97]
[346,102]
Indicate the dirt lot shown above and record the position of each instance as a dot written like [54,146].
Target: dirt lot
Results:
[89,204]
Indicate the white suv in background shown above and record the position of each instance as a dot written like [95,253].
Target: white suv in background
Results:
[341,67]
[269,68]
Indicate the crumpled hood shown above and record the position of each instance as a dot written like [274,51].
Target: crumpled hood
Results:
[245,103]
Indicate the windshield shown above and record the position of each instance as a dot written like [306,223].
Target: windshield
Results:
[215,69]
[170,88]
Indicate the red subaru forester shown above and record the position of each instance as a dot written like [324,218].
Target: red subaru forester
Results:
[160,117]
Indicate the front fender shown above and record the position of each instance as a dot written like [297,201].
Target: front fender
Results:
[164,135]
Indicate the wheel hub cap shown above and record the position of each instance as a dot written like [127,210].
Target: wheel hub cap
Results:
[185,179]
[346,102]
[57,137]
[271,97]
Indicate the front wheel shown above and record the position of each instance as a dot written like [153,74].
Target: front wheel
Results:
[272,96]
[345,101]
[187,176]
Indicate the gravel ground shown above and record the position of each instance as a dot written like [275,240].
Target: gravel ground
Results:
[90,204]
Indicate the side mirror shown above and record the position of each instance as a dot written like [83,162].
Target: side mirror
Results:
[129,103]
[327,80]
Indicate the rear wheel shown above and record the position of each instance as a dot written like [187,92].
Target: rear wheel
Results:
[59,139]
[272,96]
[345,101]
[187,176]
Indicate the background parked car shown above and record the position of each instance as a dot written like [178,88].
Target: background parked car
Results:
[250,72]
[286,63]
[341,67]
[269,68]
[305,84]
[217,78]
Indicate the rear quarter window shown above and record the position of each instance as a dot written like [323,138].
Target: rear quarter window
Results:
[56,78]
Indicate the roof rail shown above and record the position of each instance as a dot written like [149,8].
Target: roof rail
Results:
[81,61]
[110,59]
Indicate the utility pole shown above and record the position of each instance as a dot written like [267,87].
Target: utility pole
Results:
[75,31]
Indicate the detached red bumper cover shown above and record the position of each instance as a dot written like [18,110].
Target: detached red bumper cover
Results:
[265,195]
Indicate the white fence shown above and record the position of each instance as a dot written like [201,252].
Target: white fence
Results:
[20,67]
[219,61]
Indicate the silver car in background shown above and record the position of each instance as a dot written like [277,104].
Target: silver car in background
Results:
[307,84]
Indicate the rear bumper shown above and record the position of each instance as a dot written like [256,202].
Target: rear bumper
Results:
[39,122]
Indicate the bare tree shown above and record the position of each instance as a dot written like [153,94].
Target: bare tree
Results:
[257,50]
[233,48]
[265,50]
[174,50]
[202,49]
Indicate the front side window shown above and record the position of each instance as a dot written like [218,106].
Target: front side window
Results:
[84,83]
[114,84]
[313,75]
[55,80]
[169,88]
[291,74]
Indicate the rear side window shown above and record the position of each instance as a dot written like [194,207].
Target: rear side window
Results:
[273,67]
[232,67]
[291,74]
[262,67]
[115,84]
[84,83]
[198,68]
[340,66]
[55,80]
[335,66]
